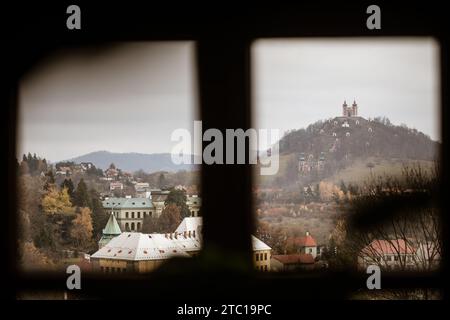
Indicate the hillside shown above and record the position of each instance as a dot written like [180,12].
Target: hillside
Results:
[131,162]
[350,148]
[357,137]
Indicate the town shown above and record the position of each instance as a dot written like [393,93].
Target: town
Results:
[116,222]
[113,221]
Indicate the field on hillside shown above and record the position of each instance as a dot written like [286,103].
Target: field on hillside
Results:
[319,228]
[285,163]
[294,220]
[359,172]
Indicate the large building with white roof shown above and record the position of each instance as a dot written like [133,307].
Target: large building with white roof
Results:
[139,252]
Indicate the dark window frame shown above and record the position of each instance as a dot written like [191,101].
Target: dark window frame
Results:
[223,69]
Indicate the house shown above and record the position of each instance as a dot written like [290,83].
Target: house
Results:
[261,254]
[86,165]
[159,199]
[428,256]
[139,252]
[111,172]
[289,262]
[194,203]
[142,189]
[64,171]
[115,186]
[306,245]
[389,254]
[130,212]
[141,186]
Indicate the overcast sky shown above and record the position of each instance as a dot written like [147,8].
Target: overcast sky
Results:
[119,98]
[130,97]
[298,82]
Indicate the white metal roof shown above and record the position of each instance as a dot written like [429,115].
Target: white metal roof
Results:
[258,244]
[190,224]
[139,246]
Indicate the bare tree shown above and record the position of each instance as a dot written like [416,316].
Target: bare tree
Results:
[394,222]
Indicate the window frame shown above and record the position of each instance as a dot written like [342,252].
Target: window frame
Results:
[223,69]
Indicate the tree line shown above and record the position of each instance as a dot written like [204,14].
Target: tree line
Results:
[55,218]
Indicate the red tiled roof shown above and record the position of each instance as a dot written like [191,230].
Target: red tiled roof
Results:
[388,247]
[301,258]
[306,241]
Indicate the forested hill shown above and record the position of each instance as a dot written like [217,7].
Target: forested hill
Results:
[356,137]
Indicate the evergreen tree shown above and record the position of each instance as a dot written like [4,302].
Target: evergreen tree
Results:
[178,197]
[99,215]
[80,195]
[49,180]
[34,164]
[161,181]
[23,169]
[68,184]
[170,218]
[344,188]
[150,225]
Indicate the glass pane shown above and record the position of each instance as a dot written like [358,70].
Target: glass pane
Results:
[97,184]
[359,125]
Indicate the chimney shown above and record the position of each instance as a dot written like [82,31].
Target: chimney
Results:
[175,235]
[193,233]
[189,233]
[185,234]
[307,233]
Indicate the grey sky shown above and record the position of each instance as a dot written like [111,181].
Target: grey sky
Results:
[130,97]
[298,82]
[119,98]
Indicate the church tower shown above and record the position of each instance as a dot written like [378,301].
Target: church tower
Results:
[344,109]
[354,109]
[110,231]
[350,111]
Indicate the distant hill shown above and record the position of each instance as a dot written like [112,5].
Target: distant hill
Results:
[356,137]
[349,148]
[131,162]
